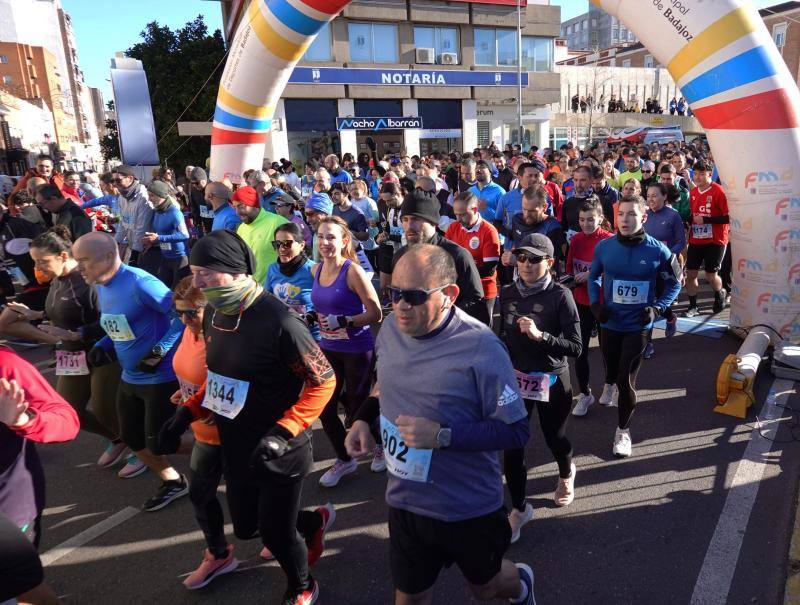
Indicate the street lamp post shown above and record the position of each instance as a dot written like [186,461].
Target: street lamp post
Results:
[519,73]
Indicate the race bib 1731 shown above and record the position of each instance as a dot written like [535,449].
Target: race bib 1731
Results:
[71,363]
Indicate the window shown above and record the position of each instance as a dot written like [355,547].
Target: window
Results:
[441,39]
[373,42]
[584,24]
[631,37]
[626,63]
[614,33]
[6,79]
[779,34]
[3,59]
[320,49]
[485,47]
[648,60]
[506,47]
[537,53]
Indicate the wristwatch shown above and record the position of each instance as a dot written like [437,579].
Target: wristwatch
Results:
[444,437]
[159,351]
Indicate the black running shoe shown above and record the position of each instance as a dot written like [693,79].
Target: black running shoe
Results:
[169,491]
[719,300]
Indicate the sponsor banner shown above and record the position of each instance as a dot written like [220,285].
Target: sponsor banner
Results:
[440,133]
[376,124]
[403,77]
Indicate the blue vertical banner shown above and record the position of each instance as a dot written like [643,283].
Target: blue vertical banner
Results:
[137,131]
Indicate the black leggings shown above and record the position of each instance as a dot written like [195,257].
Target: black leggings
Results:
[270,507]
[588,323]
[353,377]
[553,417]
[622,353]
[20,567]
[205,472]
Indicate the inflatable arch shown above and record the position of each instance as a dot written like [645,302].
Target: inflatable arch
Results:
[719,53]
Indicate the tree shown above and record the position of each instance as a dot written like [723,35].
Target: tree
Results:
[109,144]
[177,63]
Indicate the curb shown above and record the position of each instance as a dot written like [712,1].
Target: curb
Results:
[791,595]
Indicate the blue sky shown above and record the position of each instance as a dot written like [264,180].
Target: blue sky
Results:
[103,28]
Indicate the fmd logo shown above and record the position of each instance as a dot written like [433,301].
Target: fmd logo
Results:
[766,176]
[784,236]
[740,226]
[745,264]
[767,298]
[794,274]
[784,206]
[790,331]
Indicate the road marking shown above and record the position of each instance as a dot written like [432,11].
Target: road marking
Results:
[87,535]
[716,575]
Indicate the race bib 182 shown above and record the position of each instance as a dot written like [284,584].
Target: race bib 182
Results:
[117,327]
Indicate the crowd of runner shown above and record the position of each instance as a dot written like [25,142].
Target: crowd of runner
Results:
[221,320]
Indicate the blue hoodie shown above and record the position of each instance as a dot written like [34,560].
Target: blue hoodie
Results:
[627,275]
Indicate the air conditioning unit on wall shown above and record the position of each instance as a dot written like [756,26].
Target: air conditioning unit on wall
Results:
[448,59]
[425,55]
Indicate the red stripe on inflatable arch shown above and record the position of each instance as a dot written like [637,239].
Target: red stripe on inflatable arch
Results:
[220,136]
[331,7]
[769,110]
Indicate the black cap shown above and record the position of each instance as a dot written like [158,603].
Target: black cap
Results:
[536,244]
[422,204]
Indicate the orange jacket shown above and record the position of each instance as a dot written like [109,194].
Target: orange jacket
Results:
[57,179]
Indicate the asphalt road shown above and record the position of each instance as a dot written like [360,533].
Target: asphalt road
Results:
[640,530]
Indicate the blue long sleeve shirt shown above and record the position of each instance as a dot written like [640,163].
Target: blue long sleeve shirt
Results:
[137,313]
[170,226]
[667,227]
[112,201]
[225,217]
[626,276]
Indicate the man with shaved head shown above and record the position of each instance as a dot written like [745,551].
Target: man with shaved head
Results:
[442,433]
[141,328]
[218,196]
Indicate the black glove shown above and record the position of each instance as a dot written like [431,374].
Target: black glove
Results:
[311,318]
[169,437]
[272,445]
[373,146]
[601,313]
[150,362]
[98,356]
[648,315]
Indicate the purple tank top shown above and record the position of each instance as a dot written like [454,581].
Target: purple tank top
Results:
[339,299]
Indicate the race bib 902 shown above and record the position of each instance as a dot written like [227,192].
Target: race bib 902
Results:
[402,461]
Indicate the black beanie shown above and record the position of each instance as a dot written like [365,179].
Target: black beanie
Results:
[422,204]
[223,251]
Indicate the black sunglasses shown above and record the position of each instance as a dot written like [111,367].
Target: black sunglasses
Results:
[287,243]
[189,313]
[527,258]
[412,297]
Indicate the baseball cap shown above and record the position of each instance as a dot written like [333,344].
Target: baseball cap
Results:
[536,244]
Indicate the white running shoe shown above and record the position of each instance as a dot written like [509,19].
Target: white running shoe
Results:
[622,443]
[339,469]
[378,460]
[516,519]
[582,407]
[609,396]
[565,490]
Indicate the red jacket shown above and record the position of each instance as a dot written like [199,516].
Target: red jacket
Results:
[579,259]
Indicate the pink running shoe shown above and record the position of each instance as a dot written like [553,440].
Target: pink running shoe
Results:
[210,568]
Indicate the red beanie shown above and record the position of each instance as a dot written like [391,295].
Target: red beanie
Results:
[248,196]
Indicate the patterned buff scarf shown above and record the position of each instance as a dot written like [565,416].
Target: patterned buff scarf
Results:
[230,300]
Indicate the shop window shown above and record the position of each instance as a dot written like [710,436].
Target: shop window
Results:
[373,42]
[320,49]
[441,39]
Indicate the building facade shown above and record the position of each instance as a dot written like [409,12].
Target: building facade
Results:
[451,64]
[595,29]
[783,22]
[37,40]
